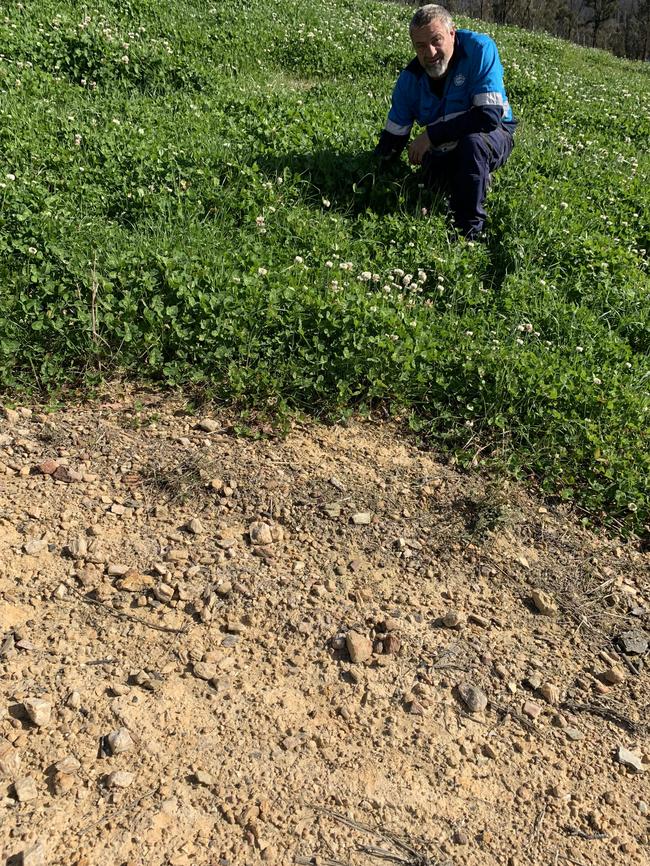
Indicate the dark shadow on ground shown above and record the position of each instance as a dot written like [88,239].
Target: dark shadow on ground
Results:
[354,182]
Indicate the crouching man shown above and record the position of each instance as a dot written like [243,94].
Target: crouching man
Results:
[454,88]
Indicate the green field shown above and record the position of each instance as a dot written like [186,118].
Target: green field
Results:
[187,195]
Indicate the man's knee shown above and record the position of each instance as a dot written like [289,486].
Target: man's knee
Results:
[473,148]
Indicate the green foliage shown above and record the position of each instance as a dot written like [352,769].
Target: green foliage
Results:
[187,195]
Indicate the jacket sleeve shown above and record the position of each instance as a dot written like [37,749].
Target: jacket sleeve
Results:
[487,94]
[397,129]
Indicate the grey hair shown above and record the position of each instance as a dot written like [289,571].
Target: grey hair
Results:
[426,14]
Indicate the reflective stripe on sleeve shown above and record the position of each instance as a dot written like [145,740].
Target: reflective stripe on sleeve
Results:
[396,129]
[493,98]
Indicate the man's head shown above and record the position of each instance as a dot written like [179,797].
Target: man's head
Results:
[432,34]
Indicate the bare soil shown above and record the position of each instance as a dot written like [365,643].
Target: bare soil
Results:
[201,592]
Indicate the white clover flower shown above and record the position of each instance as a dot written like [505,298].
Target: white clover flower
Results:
[469,333]
[628,366]
[376,278]
[11,176]
[422,277]
[597,381]
[125,58]
[77,140]
[365,276]
[116,121]
[262,272]
[579,349]
[398,272]
[519,341]
[259,220]
[424,211]
[326,202]
[407,279]
[32,251]
[329,264]
[298,260]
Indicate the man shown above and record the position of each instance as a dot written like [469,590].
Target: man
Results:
[454,88]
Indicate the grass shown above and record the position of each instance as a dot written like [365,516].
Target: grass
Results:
[187,195]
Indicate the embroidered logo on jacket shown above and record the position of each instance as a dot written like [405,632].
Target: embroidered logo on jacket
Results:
[459,79]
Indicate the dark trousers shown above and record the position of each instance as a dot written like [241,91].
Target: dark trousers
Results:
[464,173]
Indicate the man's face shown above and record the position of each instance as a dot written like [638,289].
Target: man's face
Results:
[434,46]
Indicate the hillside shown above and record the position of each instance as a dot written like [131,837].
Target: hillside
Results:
[188,197]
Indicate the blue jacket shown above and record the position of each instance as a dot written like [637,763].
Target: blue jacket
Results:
[473,98]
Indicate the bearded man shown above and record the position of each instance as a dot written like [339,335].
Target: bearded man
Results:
[454,88]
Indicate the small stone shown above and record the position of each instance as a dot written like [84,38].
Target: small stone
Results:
[120,741]
[68,765]
[544,602]
[134,581]
[461,837]
[629,759]
[195,526]
[474,699]
[614,675]
[574,734]
[35,546]
[74,700]
[176,555]
[38,710]
[481,621]
[116,569]
[332,509]
[415,708]
[531,709]
[205,670]
[164,593]
[119,689]
[120,779]
[550,693]
[453,619]
[48,466]
[361,518]
[203,778]
[338,642]
[34,855]
[208,425]
[392,644]
[78,547]
[260,533]
[26,789]
[634,642]
[359,647]
[534,681]
[63,783]
[9,759]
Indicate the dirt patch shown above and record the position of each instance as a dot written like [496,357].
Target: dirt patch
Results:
[185,606]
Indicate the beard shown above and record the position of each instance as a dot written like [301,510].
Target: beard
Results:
[437,70]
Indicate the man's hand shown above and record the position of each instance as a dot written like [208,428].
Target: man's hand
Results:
[418,147]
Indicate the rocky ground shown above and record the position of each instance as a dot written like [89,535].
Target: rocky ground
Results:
[324,649]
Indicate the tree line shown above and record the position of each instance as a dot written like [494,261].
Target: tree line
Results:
[619,26]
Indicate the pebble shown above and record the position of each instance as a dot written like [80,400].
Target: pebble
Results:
[260,533]
[530,709]
[361,518]
[550,693]
[133,581]
[392,644]
[474,699]
[120,741]
[9,759]
[48,467]
[205,670]
[203,778]
[34,855]
[115,569]
[35,546]
[453,619]
[574,734]
[634,642]
[78,547]
[38,710]
[120,779]
[544,602]
[460,837]
[74,700]
[208,425]
[195,526]
[642,806]
[629,759]
[68,765]
[614,675]
[359,647]
[25,789]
